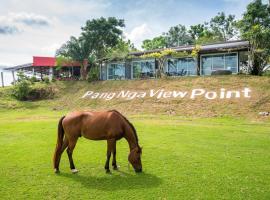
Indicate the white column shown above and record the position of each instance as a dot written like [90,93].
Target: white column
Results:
[50,73]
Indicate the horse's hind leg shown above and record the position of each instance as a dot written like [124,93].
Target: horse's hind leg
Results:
[58,155]
[71,146]
[110,144]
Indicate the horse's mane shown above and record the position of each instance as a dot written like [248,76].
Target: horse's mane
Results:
[129,123]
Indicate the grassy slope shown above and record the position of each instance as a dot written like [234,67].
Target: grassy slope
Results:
[69,94]
[209,153]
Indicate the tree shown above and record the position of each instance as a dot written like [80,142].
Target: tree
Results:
[197,31]
[120,51]
[223,26]
[97,37]
[77,49]
[177,36]
[103,34]
[156,43]
[255,27]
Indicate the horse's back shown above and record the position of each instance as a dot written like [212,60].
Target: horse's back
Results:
[94,125]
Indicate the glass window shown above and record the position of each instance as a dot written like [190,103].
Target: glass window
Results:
[116,71]
[143,69]
[182,67]
[206,65]
[231,62]
[219,62]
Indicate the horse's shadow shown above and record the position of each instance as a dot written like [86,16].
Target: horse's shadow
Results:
[118,180]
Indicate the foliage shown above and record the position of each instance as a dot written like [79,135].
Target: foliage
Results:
[197,31]
[21,89]
[223,27]
[120,51]
[46,80]
[97,37]
[195,51]
[27,89]
[255,27]
[177,36]
[61,60]
[93,74]
[156,43]
[103,34]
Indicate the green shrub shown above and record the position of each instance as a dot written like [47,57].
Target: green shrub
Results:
[34,79]
[46,79]
[266,73]
[26,89]
[93,74]
[41,91]
[21,89]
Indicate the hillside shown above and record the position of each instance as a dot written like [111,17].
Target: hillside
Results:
[165,96]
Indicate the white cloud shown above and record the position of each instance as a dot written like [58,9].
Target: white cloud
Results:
[13,23]
[138,34]
[29,19]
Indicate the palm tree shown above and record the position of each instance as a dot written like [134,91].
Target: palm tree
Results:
[77,49]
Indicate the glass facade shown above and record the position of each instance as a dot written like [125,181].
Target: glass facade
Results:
[141,69]
[216,62]
[182,67]
[116,71]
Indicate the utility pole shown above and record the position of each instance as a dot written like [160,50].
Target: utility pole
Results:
[2,79]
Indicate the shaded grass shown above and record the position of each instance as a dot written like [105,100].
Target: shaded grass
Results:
[183,158]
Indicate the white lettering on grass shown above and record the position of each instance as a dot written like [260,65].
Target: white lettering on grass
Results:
[222,93]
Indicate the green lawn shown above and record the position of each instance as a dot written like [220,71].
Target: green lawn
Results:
[215,158]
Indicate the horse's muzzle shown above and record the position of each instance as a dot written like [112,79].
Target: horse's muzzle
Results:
[138,170]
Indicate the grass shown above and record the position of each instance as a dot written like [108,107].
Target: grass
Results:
[191,149]
[183,158]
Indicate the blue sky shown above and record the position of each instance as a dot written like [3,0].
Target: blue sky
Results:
[35,27]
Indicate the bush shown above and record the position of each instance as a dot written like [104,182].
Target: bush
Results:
[26,89]
[93,74]
[34,79]
[46,79]
[266,73]
[41,92]
[21,89]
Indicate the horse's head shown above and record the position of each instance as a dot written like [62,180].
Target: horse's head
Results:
[135,158]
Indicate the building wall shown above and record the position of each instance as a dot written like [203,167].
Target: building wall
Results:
[208,62]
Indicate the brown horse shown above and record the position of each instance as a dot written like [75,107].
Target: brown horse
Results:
[110,126]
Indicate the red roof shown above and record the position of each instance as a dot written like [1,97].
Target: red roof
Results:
[39,61]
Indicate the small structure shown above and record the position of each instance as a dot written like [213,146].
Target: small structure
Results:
[47,66]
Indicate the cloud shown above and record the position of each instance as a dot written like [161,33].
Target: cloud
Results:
[29,19]
[8,30]
[13,23]
[138,33]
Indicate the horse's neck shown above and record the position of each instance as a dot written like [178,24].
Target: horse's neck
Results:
[131,138]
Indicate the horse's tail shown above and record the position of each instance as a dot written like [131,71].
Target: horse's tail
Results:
[60,137]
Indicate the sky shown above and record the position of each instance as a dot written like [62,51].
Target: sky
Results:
[38,27]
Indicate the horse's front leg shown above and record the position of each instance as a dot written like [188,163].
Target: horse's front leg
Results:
[110,144]
[114,156]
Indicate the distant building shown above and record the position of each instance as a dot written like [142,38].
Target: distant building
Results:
[232,56]
[47,66]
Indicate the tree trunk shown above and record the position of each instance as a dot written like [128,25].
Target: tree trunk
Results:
[84,69]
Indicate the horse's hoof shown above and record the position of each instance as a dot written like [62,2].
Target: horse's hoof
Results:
[74,171]
[108,171]
[56,171]
[115,167]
